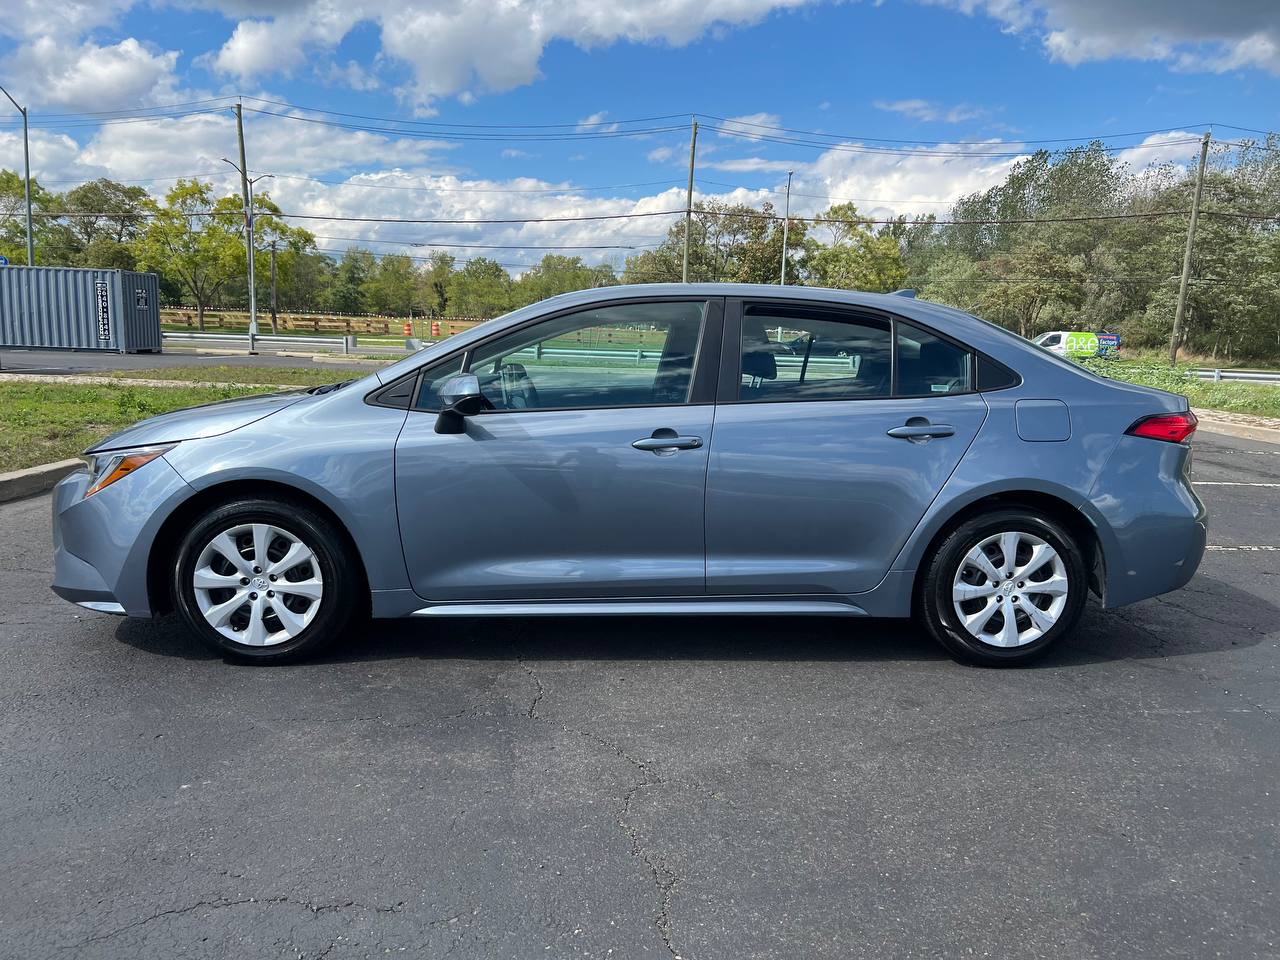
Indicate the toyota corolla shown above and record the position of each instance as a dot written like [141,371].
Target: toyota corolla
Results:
[669,449]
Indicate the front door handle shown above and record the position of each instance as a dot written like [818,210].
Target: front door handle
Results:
[919,429]
[665,440]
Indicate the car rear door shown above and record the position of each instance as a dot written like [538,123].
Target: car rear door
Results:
[587,478]
[821,466]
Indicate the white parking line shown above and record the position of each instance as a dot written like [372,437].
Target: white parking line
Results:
[1253,549]
[1231,483]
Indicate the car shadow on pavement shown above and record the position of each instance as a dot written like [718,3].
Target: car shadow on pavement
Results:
[1207,616]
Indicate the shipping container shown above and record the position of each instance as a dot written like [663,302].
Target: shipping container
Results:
[79,309]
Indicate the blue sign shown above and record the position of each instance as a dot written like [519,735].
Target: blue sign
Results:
[1108,343]
[4,261]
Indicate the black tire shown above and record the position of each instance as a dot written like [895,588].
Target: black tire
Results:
[937,610]
[339,603]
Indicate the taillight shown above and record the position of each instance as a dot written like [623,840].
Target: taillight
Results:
[1171,427]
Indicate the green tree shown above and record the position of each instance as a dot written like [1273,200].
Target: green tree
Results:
[556,274]
[391,286]
[191,244]
[347,291]
[13,219]
[103,219]
[434,283]
[853,258]
[480,289]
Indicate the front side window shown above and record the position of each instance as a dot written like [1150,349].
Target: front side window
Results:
[929,365]
[623,355]
[433,378]
[803,354]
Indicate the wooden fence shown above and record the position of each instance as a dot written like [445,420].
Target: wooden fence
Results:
[335,323]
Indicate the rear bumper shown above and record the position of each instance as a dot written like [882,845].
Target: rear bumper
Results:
[101,545]
[1152,533]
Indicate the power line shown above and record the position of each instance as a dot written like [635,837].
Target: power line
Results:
[843,136]
[574,137]
[490,246]
[922,152]
[578,125]
[433,189]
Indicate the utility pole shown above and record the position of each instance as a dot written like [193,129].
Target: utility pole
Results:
[786,221]
[274,330]
[1180,313]
[688,200]
[248,239]
[248,228]
[26,160]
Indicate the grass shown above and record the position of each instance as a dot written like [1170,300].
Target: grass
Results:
[1256,398]
[224,373]
[43,423]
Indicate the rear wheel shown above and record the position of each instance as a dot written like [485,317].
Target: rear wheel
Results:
[265,581]
[1003,587]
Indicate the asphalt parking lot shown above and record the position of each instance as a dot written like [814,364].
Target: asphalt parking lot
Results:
[746,788]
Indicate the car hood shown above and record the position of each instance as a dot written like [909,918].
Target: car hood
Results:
[194,423]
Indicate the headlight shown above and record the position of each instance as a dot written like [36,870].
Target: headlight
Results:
[112,465]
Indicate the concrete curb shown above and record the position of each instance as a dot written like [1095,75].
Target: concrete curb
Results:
[1209,423]
[33,480]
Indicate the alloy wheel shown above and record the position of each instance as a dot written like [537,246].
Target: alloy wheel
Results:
[1010,589]
[258,584]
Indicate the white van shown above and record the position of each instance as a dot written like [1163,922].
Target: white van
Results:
[1068,343]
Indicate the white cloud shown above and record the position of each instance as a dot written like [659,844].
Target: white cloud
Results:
[275,145]
[1230,35]
[352,76]
[660,154]
[89,76]
[752,122]
[596,124]
[1175,146]
[451,47]
[283,43]
[67,19]
[748,165]
[927,110]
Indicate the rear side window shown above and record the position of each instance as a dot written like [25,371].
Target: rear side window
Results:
[929,365]
[800,354]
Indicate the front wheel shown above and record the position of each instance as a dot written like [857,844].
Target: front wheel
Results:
[264,581]
[1003,587]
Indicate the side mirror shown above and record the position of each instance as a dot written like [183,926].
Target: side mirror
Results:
[460,397]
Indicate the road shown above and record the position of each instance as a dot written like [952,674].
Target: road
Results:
[94,361]
[738,788]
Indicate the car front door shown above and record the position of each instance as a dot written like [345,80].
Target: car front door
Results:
[586,477]
[822,465]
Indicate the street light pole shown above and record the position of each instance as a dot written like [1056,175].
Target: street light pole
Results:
[249,250]
[26,160]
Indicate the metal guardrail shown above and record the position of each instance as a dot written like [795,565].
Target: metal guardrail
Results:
[344,344]
[1246,376]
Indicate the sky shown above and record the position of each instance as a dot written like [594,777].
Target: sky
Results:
[537,109]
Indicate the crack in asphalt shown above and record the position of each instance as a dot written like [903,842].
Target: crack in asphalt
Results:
[662,876]
[222,904]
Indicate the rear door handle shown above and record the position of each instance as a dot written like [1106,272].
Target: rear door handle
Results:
[922,431]
[666,440]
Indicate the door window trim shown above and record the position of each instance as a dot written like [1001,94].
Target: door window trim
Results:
[731,357]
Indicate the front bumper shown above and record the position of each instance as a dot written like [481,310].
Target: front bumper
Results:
[101,545]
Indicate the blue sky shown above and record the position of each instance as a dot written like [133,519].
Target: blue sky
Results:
[1004,73]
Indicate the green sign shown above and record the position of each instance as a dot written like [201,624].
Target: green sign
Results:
[1081,345]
